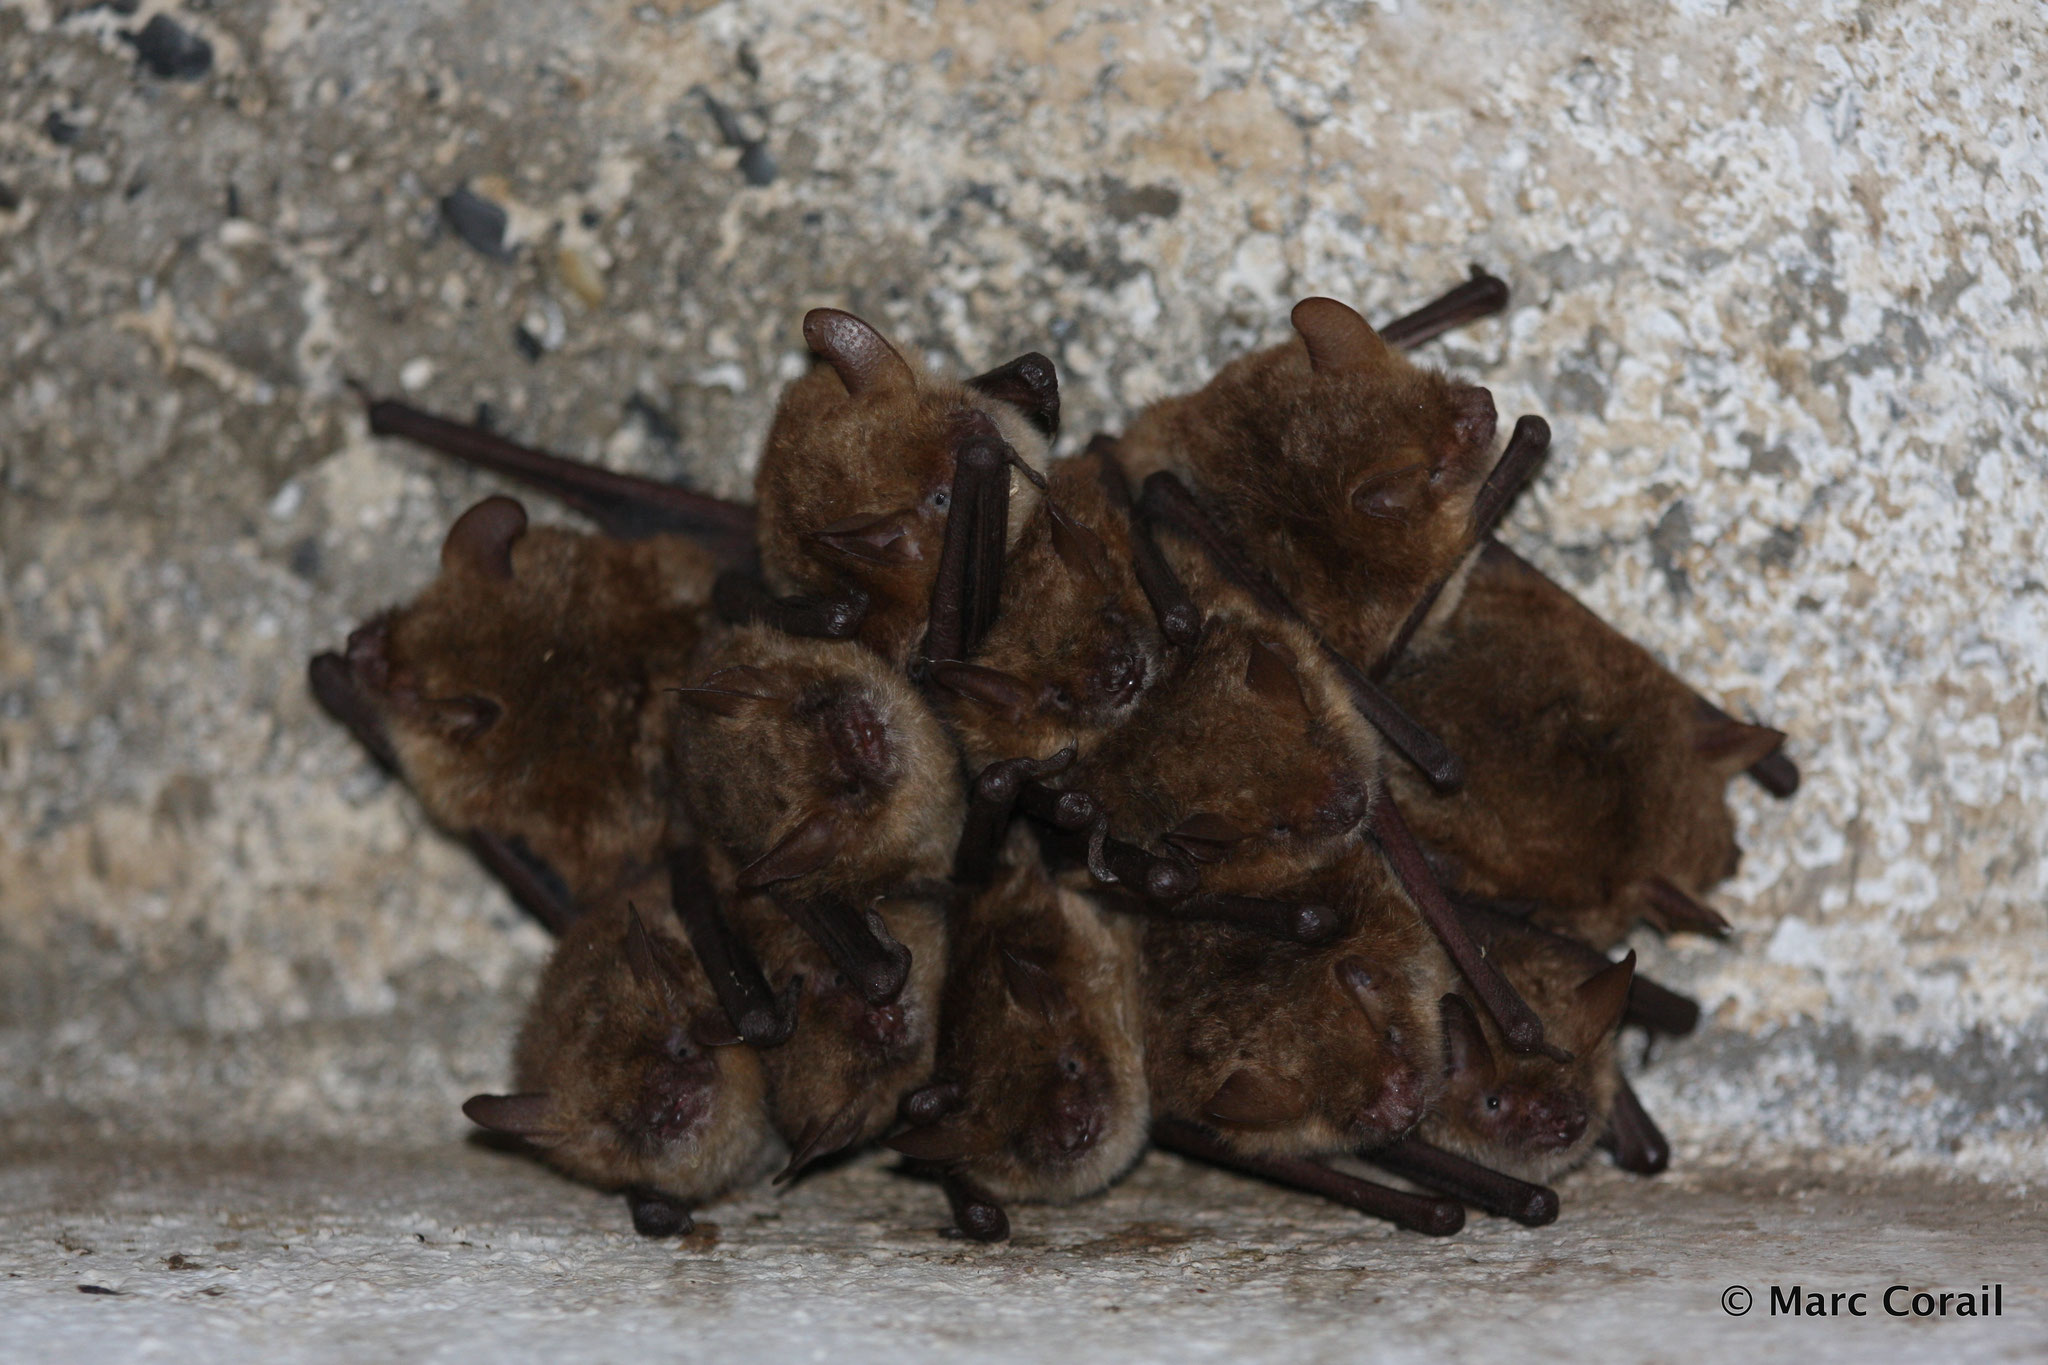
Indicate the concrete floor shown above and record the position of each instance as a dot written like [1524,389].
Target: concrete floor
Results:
[460,1252]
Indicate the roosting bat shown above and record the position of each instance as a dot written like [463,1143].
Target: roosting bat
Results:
[522,696]
[1596,781]
[627,1076]
[1039,1090]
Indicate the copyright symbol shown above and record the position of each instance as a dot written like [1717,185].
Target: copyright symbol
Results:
[1735,1300]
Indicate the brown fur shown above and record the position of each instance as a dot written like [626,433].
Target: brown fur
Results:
[832,456]
[1291,768]
[1352,483]
[1583,779]
[619,1058]
[1077,635]
[1528,1116]
[534,707]
[836,737]
[1332,1069]
[1041,1034]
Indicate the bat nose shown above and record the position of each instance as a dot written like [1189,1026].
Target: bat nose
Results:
[1120,676]
[1557,1121]
[1398,1105]
[1075,1124]
[369,655]
[1477,419]
[885,1025]
[859,740]
[1346,804]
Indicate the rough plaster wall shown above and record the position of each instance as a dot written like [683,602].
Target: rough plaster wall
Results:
[1775,288]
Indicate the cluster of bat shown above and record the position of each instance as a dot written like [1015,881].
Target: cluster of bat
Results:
[1225,786]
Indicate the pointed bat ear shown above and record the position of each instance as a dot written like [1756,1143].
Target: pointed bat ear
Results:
[1270,672]
[822,1137]
[1206,837]
[1599,1002]
[816,841]
[1033,987]
[639,949]
[1005,692]
[1253,1098]
[727,691]
[527,1115]
[1727,745]
[855,351]
[1079,548]
[462,719]
[1367,989]
[1674,912]
[876,537]
[481,539]
[1466,1050]
[950,1141]
[1031,385]
[1392,494]
[1339,341]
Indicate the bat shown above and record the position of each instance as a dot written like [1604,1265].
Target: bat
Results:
[521,696]
[1039,1089]
[629,1077]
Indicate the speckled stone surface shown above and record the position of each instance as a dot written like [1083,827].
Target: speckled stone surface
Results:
[1777,288]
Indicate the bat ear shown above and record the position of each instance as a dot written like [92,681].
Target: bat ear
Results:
[950,1141]
[1031,385]
[822,1137]
[816,841]
[855,351]
[1466,1051]
[527,1115]
[875,537]
[462,719]
[1206,837]
[481,539]
[1033,986]
[642,954]
[1271,673]
[728,691]
[1599,1001]
[1392,494]
[1253,1098]
[1727,745]
[1339,341]
[1674,912]
[991,687]
[1367,988]
[1079,548]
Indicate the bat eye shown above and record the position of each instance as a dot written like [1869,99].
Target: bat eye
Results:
[1060,698]
[940,499]
[1492,1103]
[677,1045]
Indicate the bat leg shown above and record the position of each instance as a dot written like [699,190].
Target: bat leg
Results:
[657,1215]
[1518,1023]
[1180,620]
[1481,296]
[1415,1212]
[537,887]
[626,507]
[1294,921]
[740,597]
[969,580]
[1434,1168]
[1660,1009]
[1151,878]
[1633,1137]
[1167,499]
[857,943]
[735,973]
[977,1216]
[990,801]
[1063,810]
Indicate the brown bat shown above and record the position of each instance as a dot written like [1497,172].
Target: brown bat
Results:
[815,772]
[1039,1092]
[862,467]
[626,1073]
[522,697]
[1596,781]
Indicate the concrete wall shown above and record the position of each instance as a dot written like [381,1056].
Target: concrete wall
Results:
[1776,288]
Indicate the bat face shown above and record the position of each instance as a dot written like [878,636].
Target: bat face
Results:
[837,1081]
[1074,644]
[1041,1044]
[856,476]
[1528,1116]
[1248,758]
[816,767]
[522,691]
[618,1086]
[1590,770]
[1344,469]
[1292,1050]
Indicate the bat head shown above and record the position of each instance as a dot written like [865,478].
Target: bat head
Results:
[815,767]
[1247,759]
[627,1080]
[1289,1049]
[521,693]
[1041,1091]
[1074,644]
[855,480]
[1527,1115]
